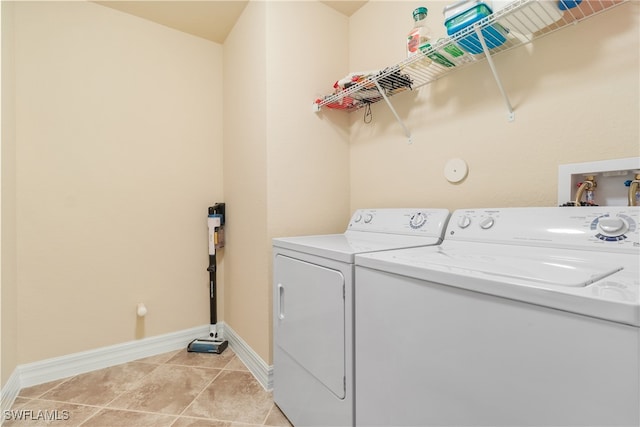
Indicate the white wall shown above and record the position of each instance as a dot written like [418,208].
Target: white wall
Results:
[118,155]
[575,95]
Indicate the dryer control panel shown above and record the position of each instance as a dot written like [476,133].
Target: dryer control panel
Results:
[607,228]
[419,221]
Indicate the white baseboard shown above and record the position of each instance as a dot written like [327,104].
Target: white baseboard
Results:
[10,392]
[257,366]
[91,360]
[56,368]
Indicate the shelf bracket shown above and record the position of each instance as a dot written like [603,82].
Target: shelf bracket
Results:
[511,115]
[393,110]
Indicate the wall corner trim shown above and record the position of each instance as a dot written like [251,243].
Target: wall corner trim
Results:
[10,392]
[258,367]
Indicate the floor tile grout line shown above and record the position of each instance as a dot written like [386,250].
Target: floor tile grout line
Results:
[68,402]
[200,393]
[206,385]
[90,417]
[100,409]
[196,417]
[104,407]
[264,421]
[62,381]
[108,405]
[129,387]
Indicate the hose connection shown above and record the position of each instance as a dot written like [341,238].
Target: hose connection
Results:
[586,188]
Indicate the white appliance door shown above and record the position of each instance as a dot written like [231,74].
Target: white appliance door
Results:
[310,319]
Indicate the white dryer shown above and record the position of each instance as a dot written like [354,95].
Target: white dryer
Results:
[313,377]
[521,317]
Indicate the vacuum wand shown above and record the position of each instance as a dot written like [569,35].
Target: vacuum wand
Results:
[212,289]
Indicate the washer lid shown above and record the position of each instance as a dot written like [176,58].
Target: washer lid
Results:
[597,284]
[536,268]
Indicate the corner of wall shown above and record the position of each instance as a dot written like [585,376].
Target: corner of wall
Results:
[8,287]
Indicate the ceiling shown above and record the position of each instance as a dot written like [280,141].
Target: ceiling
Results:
[209,19]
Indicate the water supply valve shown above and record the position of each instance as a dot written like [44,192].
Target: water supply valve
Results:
[587,188]
[634,190]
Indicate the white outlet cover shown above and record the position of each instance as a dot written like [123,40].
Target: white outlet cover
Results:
[456,170]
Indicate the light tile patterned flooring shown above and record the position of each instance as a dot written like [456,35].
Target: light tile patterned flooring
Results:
[176,389]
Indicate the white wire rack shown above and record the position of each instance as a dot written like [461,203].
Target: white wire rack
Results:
[519,21]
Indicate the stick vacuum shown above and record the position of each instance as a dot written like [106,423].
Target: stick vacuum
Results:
[213,344]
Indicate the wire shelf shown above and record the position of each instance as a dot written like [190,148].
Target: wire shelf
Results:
[520,21]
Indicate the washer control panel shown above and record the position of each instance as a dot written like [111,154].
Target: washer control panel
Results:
[419,222]
[613,228]
[591,227]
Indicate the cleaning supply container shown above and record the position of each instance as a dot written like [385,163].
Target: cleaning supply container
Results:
[465,13]
[568,4]
[419,40]
[420,34]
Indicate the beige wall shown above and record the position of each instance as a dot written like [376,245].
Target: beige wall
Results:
[286,169]
[245,155]
[119,153]
[575,95]
[8,287]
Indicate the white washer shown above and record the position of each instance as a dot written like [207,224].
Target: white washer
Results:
[313,309]
[521,317]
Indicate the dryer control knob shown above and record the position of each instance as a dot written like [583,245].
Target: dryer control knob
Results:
[358,218]
[612,226]
[464,221]
[487,223]
[368,218]
[417,220]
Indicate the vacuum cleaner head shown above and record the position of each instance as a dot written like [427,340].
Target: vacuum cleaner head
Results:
[207,346]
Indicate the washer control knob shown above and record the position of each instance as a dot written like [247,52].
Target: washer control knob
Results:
[487,223]
[417,220]
[612,226]
[358,218]
[464,221]
[368,218]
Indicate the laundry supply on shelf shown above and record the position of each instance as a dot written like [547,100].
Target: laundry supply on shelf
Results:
[420,34]
[463,14]
[419,41]
[390,79]
[568,4]
[352,79]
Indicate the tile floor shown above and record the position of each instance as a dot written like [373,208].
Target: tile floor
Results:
[176,389]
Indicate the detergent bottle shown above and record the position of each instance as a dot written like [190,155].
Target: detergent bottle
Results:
[420,34]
